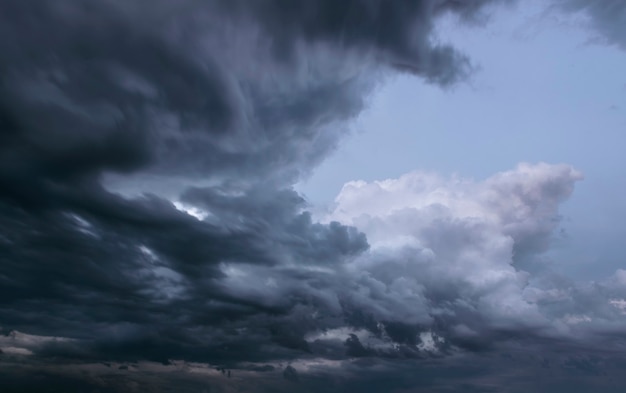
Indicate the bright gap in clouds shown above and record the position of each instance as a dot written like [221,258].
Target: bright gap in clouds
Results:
[545,90]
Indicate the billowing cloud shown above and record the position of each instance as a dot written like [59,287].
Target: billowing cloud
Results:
[458,263]
[147,158]
[450,253]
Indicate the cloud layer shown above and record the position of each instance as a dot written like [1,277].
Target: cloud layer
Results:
[225,104]
[147,158]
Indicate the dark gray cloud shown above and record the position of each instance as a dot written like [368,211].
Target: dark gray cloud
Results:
[220,107]
[511,370]
[242,98]
[217,89]
[606,17]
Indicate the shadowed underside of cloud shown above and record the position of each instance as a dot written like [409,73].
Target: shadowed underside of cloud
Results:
[229,102]
[212,110]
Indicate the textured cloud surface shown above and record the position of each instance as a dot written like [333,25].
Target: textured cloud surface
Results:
[457,246]
[222,106]
[465,258]
[607,17]
[150,232]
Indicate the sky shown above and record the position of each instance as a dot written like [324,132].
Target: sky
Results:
[278,196]
[566,106]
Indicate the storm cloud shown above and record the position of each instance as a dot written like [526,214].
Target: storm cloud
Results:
[228,102]
[148,152]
